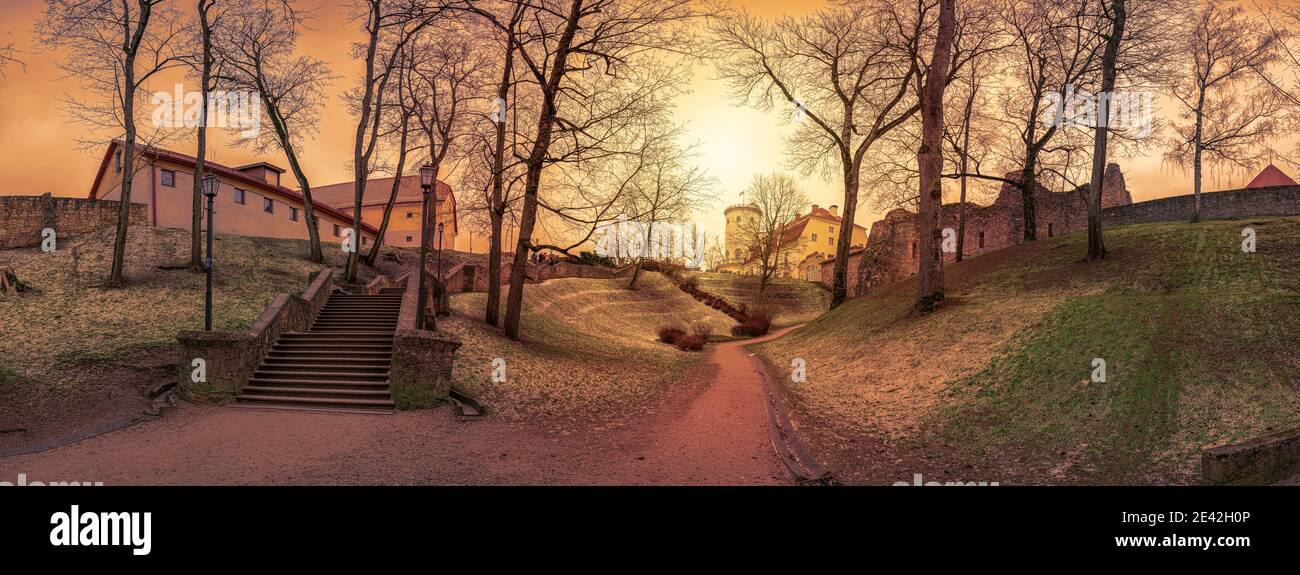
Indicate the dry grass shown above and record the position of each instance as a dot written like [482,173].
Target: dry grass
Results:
[794,301]
[72,321]
[590,347]
[1199,339]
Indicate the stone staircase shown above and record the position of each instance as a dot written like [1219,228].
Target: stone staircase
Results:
[341,362]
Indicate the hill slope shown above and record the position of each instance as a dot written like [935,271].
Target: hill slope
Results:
[75,354]
[589,347]
[1199,341]
[795,301]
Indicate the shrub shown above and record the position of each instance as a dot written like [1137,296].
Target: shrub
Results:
[690,343]
[702,329]
[671,333]
[753,326]
[691,284]
[593,259]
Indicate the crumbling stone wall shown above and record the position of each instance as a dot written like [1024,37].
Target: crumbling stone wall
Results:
[891,253]
[23,217]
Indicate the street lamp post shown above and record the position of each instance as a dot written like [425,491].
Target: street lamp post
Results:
[426,184]
[210,192]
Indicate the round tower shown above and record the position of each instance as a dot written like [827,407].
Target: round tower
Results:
[739,218]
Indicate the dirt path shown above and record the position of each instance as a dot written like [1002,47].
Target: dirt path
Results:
[717,434]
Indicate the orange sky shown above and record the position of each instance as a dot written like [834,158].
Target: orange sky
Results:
[735,143]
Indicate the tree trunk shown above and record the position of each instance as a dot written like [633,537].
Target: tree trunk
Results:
[636,272]
[496,212]
[1196,159]
[196,209]
[1096,245]
[839,282]
[536,161]
[930,161]
[117,277]
[965,156]
[392,196]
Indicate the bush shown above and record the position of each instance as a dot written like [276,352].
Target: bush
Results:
[593,259]
[702,330]
[691,284]
[690,343]
[671,333]
[753,326]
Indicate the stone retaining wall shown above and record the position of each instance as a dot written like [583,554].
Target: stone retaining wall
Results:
[1261,461]
[230,358]
[22,218]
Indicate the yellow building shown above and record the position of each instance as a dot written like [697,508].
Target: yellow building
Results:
[808,237]
[404,223]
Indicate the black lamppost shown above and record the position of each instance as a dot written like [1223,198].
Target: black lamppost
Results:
[426,183]
[210,192]
[440,278]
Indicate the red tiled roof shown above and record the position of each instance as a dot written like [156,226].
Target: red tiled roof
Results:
[229,173]
[1271,176]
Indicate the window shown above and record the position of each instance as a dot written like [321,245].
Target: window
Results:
[268,205]
[117,161]
[814,237]
[239,196]
[169,178]
[831,241]
[1049,229]
[408,238]
[410,215]
[981,240]
[293,214]
[913,249]
[337,231]
[832,230]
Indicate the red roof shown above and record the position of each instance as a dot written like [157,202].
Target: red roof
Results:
[1269,177]
[226,172]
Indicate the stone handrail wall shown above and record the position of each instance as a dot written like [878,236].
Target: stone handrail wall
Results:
[230,358]
[420,375]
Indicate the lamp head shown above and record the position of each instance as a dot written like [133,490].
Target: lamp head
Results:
[210,185]
[426,176]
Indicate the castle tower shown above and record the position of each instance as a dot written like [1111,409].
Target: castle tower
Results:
[737,215]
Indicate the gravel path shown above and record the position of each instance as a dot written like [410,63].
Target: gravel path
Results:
[715,432]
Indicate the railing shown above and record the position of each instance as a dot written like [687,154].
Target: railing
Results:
[230,358]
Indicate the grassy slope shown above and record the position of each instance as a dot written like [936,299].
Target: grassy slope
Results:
[589,347]
[72,321]
[1199,341]
[796,301]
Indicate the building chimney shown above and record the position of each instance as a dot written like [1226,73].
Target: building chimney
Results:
[835,211]
[814,209]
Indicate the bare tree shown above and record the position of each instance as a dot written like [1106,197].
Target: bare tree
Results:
[847,71]
[1115,13]
[210,13]
[930,162]
[586,48]
[398,116]
[446,72]
[8,55]
[113,49]
[1227,106]
[389,25]
[779,201]
[509,30]
[257,48]
[664,187]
